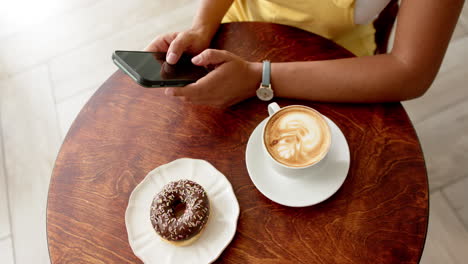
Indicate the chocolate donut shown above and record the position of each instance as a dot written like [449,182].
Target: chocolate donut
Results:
[180,228]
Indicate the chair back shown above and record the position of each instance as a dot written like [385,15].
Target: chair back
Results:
[383,26]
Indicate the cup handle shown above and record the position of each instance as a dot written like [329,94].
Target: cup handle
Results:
[273,108]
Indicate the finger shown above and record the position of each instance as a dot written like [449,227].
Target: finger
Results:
[161,43]
[209,83]
[190,91]
[177,47]
[167,71]
[212,57]
[158,44]
[194,92]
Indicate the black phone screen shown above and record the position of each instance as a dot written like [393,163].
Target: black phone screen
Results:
[152,66]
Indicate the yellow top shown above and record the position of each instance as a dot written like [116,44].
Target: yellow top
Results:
[332,19]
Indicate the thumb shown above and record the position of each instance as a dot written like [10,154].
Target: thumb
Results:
[212,57]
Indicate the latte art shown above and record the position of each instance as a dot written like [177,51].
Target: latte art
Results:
[297,136]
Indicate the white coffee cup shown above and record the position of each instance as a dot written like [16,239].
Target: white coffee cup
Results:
[321,130]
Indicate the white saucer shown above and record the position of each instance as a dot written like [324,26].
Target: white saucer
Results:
[218,232]
[316,184]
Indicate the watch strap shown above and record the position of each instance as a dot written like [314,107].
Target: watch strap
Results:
[266,73]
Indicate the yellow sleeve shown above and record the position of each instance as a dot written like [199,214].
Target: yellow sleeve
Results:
[343,3]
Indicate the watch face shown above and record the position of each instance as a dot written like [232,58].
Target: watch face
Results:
[265,94]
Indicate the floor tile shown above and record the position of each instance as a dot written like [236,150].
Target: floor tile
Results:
[449,87]
[31,141]
[463,214]
[445,145]
[464,16]
[462,27]
[447,240]
[459,32]
[4,210]
[68,109]
[15,18]
[6,251]
[88,67]
[61,34]
[456,55]
[3,73]
[457,195]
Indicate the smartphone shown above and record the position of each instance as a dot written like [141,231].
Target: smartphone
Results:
[150,69]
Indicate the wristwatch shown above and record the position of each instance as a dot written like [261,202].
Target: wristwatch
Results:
[264,92]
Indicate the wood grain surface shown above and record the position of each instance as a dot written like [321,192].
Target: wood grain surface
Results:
[379,215]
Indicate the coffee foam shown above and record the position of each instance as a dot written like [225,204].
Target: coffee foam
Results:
[297,136]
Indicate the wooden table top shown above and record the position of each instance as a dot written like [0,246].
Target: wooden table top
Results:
[379,215]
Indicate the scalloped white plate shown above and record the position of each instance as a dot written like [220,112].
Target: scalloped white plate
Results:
[218,232]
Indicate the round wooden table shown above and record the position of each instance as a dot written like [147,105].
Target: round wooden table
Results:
[379,215]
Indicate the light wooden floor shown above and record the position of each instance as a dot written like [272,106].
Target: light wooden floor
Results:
[52,63]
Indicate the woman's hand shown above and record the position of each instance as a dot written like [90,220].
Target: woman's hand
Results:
[232,80]
[191,41]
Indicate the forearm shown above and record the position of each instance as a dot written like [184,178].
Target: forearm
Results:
[209,16]
[405,73]
[366,79]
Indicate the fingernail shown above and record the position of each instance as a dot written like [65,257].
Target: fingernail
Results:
[171,58]
[165,67]
[196,60]
[169,92]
